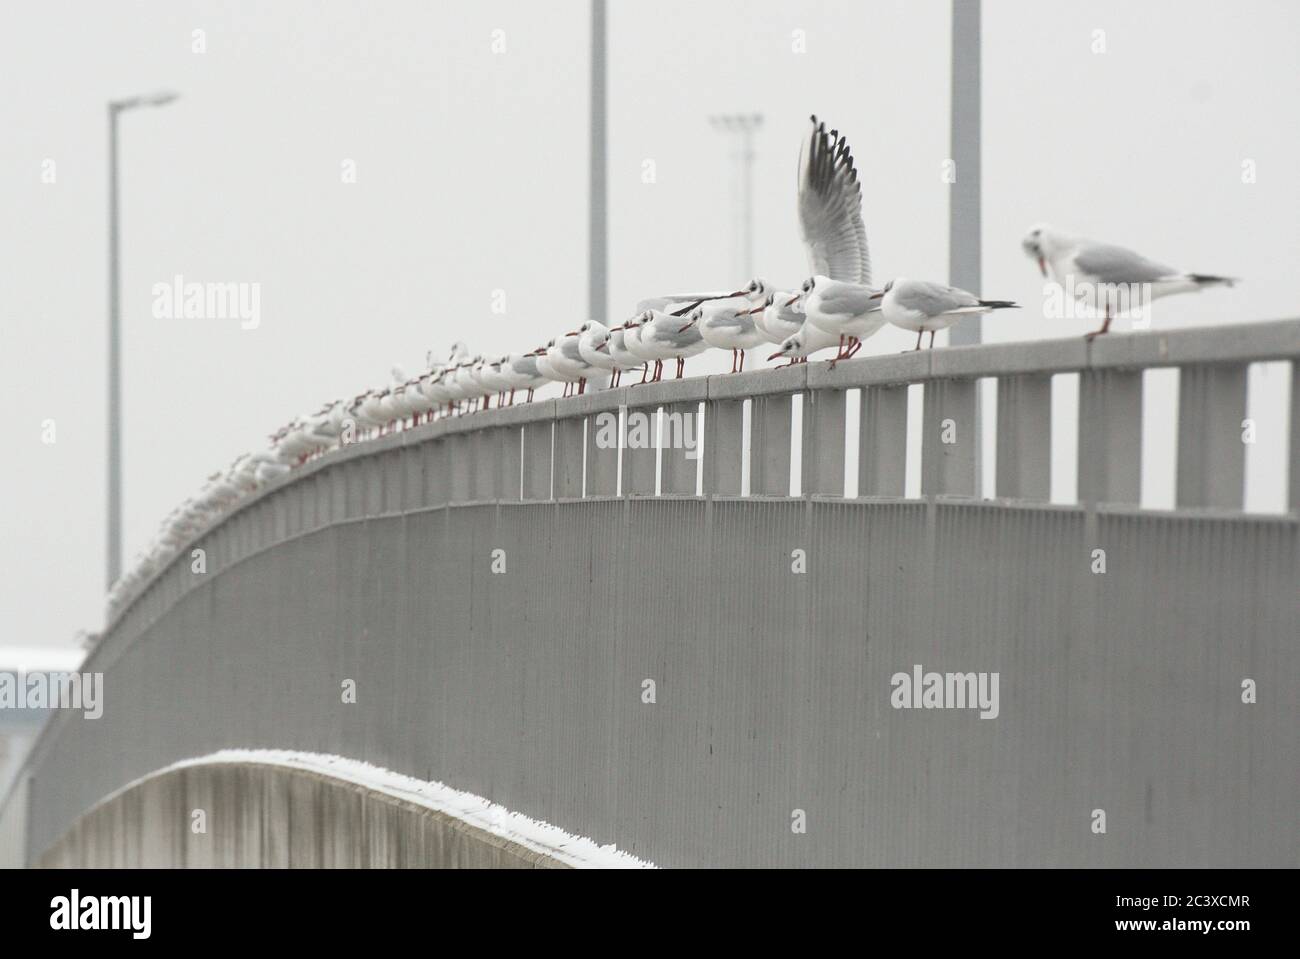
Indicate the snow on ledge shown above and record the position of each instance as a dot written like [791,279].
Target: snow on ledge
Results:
[540,837]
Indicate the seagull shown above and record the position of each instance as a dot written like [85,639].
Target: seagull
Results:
[726,327]
[801,345]
[494,379]
[431,385]
[593,344]
[658,336]
[1108,269]
[928,307]
[566,358]
[777,317]
[624,359]
[522,373]
[850,311]
[830,208]
[476,389]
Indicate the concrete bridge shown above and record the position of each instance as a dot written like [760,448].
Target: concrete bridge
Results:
[668,651]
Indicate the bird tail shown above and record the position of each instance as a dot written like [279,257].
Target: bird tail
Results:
[1000,304]
[1204,279]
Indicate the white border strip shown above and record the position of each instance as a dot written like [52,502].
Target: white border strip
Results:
[540,837]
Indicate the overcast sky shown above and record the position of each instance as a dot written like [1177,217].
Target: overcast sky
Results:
[471,173]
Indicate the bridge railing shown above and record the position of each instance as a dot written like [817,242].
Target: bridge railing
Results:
[612,443]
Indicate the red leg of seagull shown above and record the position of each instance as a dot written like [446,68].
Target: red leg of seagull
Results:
[932,332]
[582,385]
[854,346]
[530,394]
[918,340]
[1105,327]
[742,361]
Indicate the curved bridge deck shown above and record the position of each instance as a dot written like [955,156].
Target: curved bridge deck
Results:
[697,677]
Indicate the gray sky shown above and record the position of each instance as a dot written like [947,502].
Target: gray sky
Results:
[471,178]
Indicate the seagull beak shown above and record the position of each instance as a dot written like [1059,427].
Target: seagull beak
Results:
[1042,265]
[603,348]
[792,301]
[572,333]
[776,356]
[738,293]
[686,327]
[757,309]
[876,296]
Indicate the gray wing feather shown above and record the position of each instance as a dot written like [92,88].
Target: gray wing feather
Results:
[731,319]
[673,335]
[830,208]
[848,300]
[934,299]
[1114,264]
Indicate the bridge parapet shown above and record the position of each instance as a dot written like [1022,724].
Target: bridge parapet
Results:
[555,449]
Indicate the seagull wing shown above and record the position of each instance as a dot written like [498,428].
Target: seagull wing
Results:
[679,304]
[933,299]
[830,208]
[848,299]
[1115,264]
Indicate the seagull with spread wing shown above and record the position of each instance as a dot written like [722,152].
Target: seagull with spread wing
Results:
[838,298]
[830,208]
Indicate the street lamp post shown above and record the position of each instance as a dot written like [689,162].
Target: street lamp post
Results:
[115,108]
[597,225]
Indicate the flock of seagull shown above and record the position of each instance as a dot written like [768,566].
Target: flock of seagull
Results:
[837,307]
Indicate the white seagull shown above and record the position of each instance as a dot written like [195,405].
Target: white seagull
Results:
[805,343]
[658,336]
[925,307]
[777,318]
[1112,277]
[624,359]
[849,311]
[727,325]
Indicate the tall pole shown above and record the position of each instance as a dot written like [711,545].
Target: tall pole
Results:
[597,226]
[741,126]
[115,109]
[964,265]
[114,366]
